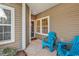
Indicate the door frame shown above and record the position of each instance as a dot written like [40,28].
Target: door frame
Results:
[34,28]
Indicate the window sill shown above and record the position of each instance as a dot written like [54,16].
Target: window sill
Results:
[38,33]
[6,42]
[42,34]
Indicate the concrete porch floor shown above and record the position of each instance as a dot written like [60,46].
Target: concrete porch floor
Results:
[35,49]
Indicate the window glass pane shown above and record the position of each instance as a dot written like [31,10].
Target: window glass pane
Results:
[45,25]
[7,28]
[2,20]
[38,26]
[5,16]
[8,14]
[7,36]
[1,29]
[1,37]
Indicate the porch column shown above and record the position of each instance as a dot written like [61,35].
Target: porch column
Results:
[23,25]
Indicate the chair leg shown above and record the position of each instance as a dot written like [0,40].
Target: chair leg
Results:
[57,54]
[51,49]
[43,46]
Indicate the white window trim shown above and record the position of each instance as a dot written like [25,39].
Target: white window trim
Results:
[41,25]
[12,25]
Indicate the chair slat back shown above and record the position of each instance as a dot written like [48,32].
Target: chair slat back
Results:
[51,36]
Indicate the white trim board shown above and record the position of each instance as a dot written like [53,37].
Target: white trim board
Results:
[29,25]
[23,25]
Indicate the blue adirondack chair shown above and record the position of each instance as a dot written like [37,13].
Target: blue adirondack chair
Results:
[73,51]
[50,42]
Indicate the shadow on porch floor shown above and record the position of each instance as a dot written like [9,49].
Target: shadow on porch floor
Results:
[35,49]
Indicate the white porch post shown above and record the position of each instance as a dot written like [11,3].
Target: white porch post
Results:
[23,26]
[29,25]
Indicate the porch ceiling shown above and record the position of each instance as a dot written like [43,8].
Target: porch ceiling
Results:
[37,8]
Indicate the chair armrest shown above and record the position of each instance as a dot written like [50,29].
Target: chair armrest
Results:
[65,43]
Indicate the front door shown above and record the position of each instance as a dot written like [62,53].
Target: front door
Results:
[32,29]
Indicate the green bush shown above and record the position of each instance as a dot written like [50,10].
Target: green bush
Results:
[9,51]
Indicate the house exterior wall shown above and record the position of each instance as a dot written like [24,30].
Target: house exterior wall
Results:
[64,20]
[18,26]
[33,17]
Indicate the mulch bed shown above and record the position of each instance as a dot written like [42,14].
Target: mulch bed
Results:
[21,53]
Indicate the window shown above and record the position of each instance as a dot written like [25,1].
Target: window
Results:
[6,24]
[43,25]
[38,26]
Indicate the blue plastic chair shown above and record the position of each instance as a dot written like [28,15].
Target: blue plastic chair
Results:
[73,51]
[50,42]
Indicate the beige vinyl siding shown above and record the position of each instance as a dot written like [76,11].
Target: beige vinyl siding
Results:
[64,20]
[18,25]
